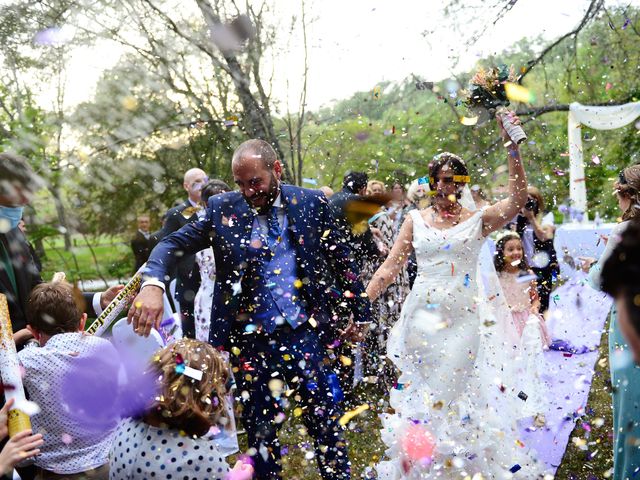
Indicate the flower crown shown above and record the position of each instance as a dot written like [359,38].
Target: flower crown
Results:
[506,233]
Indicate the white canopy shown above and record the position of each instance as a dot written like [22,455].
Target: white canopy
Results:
[600,118]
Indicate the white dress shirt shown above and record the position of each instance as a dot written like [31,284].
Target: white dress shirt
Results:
[70,446]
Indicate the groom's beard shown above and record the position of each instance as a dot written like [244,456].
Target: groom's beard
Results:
[264,200]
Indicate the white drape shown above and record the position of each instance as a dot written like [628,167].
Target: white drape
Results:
[600,118]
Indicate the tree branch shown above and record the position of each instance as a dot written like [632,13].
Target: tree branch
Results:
[564,107]
[594,8]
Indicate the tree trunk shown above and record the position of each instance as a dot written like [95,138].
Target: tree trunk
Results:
[257,120]
[62,216]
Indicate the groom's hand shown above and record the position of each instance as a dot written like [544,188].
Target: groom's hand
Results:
[356,332]
[146,310]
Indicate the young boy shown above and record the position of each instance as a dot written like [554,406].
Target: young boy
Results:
[74,448]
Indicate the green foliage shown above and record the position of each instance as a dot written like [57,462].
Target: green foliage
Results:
[601,65]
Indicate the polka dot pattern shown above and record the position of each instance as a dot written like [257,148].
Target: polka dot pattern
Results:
[74,440]
[143,452]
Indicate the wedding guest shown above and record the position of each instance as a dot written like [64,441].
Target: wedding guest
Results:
[18,272]
[328,191]
[521,296]
[175,437]
[537,232]
[71,449]
[363,244]
[397,205]
[620,278]
[207,266]
[375,187]
[386,309]
[526,330]
[186,270]
[417,199]
[142,243]
[36,258]
[625,378]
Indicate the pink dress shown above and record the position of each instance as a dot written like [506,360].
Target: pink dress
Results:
[519,297]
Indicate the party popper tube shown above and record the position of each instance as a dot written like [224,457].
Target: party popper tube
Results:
[113,310]
[10,372]
[515,132]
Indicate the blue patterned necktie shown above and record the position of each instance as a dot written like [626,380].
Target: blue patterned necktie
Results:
[274,232]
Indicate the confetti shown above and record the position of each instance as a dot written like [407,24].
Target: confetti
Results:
[346,418]
[468,121]
[418,443]
[518,93]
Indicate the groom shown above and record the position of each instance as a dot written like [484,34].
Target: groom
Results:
[283,270]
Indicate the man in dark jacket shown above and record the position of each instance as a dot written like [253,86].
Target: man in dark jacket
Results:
[142,243]
[354,187]
[186,271]
[281,267]
[18,272]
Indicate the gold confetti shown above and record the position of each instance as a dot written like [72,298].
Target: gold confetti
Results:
[346,418]
[346,361]
[518,93]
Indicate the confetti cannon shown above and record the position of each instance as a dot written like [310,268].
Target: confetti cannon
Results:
[10,371]
[117,305]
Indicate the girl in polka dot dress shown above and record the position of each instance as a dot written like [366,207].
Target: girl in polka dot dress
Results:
[172,439]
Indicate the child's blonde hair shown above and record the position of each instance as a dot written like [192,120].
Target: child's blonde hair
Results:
[185,403]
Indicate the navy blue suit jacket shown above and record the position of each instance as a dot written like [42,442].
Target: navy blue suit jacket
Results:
[325,264]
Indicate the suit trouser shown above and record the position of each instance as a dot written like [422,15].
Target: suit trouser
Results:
[296,358]
[186,290]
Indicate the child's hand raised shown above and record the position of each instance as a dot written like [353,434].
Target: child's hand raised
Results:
[23,445]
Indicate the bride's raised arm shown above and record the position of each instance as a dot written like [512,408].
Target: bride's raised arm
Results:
[389,270]
[499,214]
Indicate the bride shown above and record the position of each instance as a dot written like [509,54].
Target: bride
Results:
[460,392]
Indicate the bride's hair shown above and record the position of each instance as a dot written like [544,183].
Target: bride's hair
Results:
[452,161]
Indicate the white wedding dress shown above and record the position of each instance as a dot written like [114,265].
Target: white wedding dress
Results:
[461,373]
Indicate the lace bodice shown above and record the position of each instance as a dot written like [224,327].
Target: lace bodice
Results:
[449,255]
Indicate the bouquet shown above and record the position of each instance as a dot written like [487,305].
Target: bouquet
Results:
[487,93]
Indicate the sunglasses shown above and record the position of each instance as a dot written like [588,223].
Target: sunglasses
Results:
[454,179]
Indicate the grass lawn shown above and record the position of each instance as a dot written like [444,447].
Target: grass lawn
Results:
[589,457]
[115,259]
[593,460]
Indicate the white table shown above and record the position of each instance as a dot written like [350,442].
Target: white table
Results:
[573,240]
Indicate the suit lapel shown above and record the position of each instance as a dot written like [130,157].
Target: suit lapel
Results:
[295,214]
[237,219]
